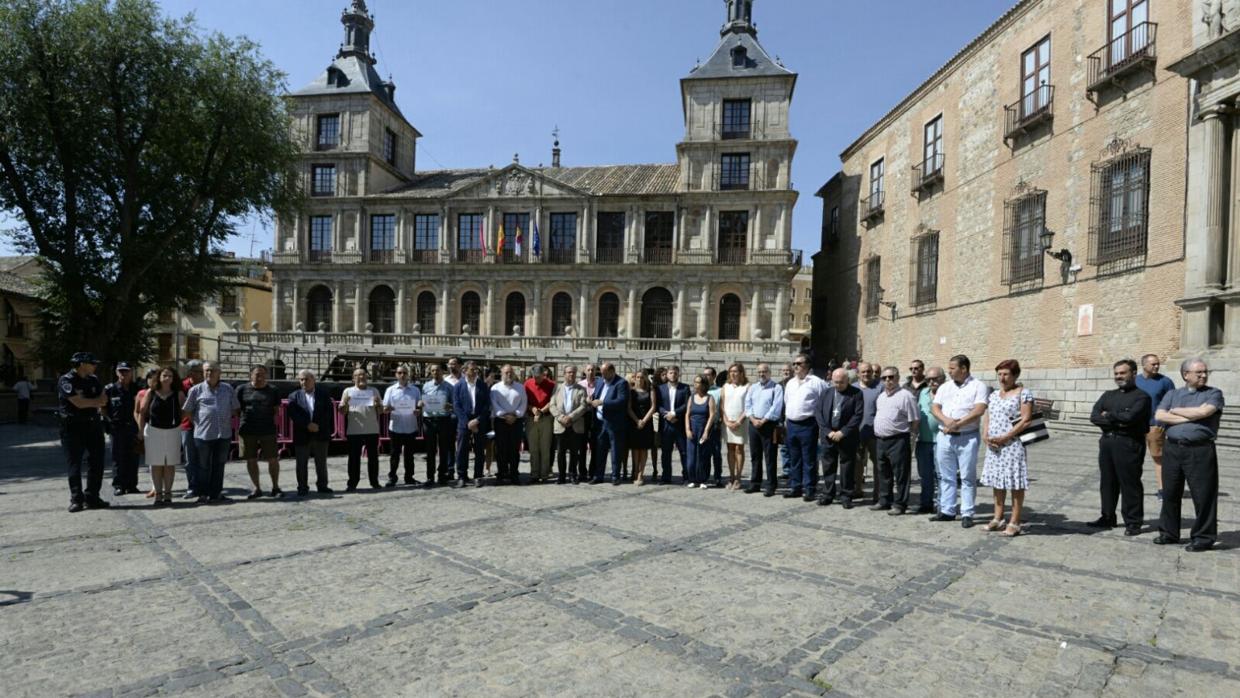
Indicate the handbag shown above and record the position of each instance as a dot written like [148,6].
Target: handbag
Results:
[1035,431]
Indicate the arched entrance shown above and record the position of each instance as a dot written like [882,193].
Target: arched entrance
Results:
[383,310]
[319,309]
[609,315]
[514,313]
[657,314]
[471,312]
[561,313]
[426,312]
[730,317]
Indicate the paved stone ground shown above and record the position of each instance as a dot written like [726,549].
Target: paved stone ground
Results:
[572,591]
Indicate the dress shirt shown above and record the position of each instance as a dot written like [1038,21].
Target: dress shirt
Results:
[1155,387]
[508,398]
[309,395]
[211,410]
[956,401]
[568,399]
[1202,430]
[453,380]
[870,395]
[1124,410]
[765,400]
[801,396]
[538,392]
[671,396]
[441,389]
[361,418]
[603,397]
[406,423]
[473,398]
[928,429]
[895,413]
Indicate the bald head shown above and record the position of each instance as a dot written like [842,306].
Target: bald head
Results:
[839,378]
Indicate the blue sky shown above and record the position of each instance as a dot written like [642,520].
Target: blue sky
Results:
[484,79]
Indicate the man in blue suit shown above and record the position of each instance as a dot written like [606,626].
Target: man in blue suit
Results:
[471,403]
[314,419]
[611,401]
[673,401]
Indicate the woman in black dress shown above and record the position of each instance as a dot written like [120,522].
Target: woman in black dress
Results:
[641,412]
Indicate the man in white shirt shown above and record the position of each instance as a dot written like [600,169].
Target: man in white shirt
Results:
[402,402]
[958,405]
[802,394]
[895,425]
[454,372]
[508,403]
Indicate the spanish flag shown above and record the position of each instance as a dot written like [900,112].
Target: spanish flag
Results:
[499,246]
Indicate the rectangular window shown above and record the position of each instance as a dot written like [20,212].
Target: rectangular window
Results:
[389,146]
[733,237]
[734,171]
[659,233]
[1024,221]
[932,161]
[469,237]
[426,231]
[320,238]
[609,238]
[873,291]
[563,238]
[165,347]
[1128,31]
[736,118]
[514,222]
[383,238]
[228,301]
[924,279]
[1119,197]
[193,346]
[1035,78]
[877,170]
[323,180]
[328,131]
[833,223]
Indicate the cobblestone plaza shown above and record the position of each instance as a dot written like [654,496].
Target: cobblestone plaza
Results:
[608,591]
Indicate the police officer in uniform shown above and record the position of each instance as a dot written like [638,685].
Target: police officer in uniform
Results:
[80,394]
[121,396]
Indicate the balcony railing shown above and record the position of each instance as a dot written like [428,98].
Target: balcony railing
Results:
[657,255]
[424,256]
[781,258]
[511,257]
[319,256]
[609,255]
[731,255]
[927,173]
[471,256]
[561,256]
[872,207]
[381,256]
[756,131]
[1035,108]
[1128,52]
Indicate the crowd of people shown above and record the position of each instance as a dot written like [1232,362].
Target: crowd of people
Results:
[824,436]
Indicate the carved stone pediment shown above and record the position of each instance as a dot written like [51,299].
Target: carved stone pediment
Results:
[516,181]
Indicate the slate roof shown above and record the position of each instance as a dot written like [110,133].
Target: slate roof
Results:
[719,65]
[359,77]
[607,180]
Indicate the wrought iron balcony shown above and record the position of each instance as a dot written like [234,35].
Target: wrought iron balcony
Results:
[1129,52]
[609,255]
[927,173]
[471,256]
[731,255]
[1034,109]
[872,207]
[319,256]
[424,256]
[561,256]
[657,255]
[511,257]
[381,256]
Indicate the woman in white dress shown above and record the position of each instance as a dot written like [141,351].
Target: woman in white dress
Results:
[732,395]
[159,424]
[1009,410]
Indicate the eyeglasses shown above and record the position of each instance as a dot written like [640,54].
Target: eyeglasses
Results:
[934,380]
[890,378]
[914,368]
[798,363]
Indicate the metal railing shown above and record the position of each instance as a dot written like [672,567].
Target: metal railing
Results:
[731,255]
[381,256]
[511,257]
[872,206]
[318,256]
[424,256]
[1129,51]
[1034,108]
[556,256]
[657,255]
[471,256]
[928,172]
[609,255]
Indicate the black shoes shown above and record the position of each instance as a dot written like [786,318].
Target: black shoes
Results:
[880,507]
[809,497]
[1132,530]
[75,507]
[190,494]
[846,502]
[896,511]
[303,491]
[943,517]
[97,503]
[1164,539]
[793,493]
[254,495]
[1102,522]
[824,501]
[277,493]
[925,510]
[458,484]
[117,491]
[754,488]
[477,482]
[1198,547]
[391,482]
[966,522]
[326,490]
[768,493]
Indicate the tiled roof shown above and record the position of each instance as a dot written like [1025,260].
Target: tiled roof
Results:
[598,181]
[11,263]
[12,283]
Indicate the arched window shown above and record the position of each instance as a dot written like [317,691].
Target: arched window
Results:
[319,309]
[382,310]
[730,317]
[426,312]
[609,315]
[514,313]
[471,312]
[657,314]
[561,313]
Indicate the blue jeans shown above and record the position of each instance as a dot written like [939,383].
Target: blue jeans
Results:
[191,460]
[956,454]
[699,459]
[610,440]
[926,472]
[212,455]
[803,455]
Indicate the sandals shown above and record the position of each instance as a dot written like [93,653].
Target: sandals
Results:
[995,525]
[1011,531]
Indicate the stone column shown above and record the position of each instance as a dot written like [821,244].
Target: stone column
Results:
[277,306]
[535,328]
[400,307]
[441,318]
[445,248]
[678,313]
[704,315]
[586,242]
[357,306]
[779,320]
[1217,198]
[631,313]
[1233,237]
[755,311]
[492,231]
[337,304]
[583,305]
[755,229]
[488,314]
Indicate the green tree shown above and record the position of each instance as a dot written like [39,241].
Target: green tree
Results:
[131,146]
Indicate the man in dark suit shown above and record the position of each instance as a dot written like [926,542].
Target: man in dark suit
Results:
[673,401]
[611,403]
[314,419]
[471,404]
[839,418]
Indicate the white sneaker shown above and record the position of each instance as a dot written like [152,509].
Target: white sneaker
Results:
[690,484]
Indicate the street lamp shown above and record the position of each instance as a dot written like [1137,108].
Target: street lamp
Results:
[888,304]
[1047,238]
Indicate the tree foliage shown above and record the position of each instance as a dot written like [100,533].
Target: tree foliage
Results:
[131,146]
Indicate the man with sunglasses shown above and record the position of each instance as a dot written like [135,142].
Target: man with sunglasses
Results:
[895,421]
[802,395]
[916,382]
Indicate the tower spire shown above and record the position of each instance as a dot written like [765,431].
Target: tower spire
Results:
[740,18]
[357,27]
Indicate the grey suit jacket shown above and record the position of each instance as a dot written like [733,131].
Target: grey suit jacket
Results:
[577,413]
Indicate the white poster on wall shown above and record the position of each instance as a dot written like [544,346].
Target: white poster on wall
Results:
[1085,320]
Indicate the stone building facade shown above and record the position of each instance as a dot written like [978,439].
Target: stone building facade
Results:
[244,305]
[800,307]
[693,256]
[1026,201]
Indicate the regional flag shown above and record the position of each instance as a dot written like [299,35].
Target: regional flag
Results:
[519,241]
[499,246]
[537,242]
[482,236]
